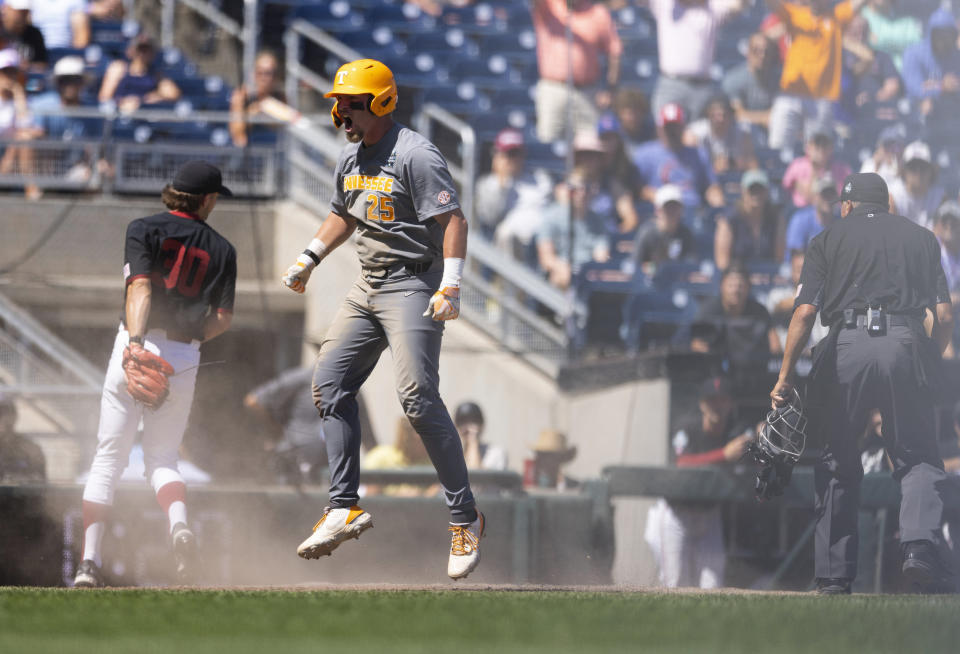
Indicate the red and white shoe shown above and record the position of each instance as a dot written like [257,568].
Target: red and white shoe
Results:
[336,526]
[465,548]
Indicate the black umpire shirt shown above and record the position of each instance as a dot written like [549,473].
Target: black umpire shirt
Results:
[872,258]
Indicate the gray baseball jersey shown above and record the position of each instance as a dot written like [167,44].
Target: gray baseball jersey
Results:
[393,189]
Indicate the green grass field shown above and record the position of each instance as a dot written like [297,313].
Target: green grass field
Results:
[275,622]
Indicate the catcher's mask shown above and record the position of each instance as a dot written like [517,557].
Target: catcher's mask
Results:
[365,77]
[783,435]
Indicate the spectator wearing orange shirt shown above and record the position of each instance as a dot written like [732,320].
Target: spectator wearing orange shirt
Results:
[812,67]
[594,33]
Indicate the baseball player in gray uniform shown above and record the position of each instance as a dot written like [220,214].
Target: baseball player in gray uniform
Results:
[393,188]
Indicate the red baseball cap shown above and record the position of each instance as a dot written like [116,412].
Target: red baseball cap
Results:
[508,139]
[672,113]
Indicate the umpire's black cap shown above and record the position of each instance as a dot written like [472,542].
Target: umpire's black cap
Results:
[200,178]
[865,187]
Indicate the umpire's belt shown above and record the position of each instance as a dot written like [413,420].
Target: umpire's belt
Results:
[890,320]
[411,268]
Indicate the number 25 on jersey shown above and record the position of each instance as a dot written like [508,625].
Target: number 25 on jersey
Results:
[379,208]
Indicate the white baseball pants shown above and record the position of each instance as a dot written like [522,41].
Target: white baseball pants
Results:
[120,418]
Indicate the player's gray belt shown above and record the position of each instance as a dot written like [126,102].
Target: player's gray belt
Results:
[412,268]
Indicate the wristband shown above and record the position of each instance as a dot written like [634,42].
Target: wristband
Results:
[136,339]
[316,251]
[452,272]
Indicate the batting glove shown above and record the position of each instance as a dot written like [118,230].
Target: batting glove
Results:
[445,304]
[298,274]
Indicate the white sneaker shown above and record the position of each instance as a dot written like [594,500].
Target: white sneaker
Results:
[336,526]
[465,548]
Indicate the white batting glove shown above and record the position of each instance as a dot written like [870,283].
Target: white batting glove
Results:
[445,304]
[299,273]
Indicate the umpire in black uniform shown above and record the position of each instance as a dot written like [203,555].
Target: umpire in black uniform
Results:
[873,276]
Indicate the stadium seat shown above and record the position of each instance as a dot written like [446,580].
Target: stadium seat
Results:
[464,99]
[493,72]
[332,16]
[654,318]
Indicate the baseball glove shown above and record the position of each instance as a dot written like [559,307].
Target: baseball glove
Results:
[148,376]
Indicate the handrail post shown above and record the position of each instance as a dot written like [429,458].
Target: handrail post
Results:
[291,43]
[250,23]
[167,19]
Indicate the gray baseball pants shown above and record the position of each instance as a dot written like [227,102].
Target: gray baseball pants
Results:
[876,372]
[383,311]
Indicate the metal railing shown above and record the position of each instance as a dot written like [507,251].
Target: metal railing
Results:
[246,33]
[139,165]
[46,373]
[296,73]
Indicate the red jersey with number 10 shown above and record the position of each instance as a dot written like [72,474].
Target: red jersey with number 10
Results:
[192,269]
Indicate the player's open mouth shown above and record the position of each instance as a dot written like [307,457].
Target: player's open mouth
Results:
[348,124]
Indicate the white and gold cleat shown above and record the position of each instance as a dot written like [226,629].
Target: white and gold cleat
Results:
[465,548]
[336,526]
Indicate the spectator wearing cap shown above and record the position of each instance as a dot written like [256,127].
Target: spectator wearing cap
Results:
[551,452]
[931,68]
[509,184]
[887,156]
[807,222]
[818,161]
[753,84]
[19,34]
[735,326]
[668,161]
[21,460]
[812,67]
[135,81]
[591,241]
[685,71]
[665,238]
[891,32]
[468,419]
[946,227]
[16,123]
[870,78]
[632,109]
[755,232]
[915,194]
[619,178]
[579,61]
[729,145]
[687,538]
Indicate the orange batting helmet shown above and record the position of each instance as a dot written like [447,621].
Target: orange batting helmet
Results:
[362,77]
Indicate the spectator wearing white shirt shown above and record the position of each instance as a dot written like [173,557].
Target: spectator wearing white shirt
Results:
[915,194]
[729,145]
[687,38]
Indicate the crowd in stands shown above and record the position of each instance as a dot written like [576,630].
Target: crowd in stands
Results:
[730,157]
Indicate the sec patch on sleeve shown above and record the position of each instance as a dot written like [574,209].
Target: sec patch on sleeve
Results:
[443,197]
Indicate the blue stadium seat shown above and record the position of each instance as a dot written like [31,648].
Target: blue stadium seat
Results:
[463,99]
[654,318]
[332,16]
[513,97]
[492,72]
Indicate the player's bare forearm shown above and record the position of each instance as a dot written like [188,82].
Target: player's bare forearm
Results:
[137,309]
[335,230]
[216,324]
[943,327]
[798,333]
[454,234]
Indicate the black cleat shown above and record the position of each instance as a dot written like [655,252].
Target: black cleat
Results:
[923,568]
[833,586]
[185,553]
[88,575]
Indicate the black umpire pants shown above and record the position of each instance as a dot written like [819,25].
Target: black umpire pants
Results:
[875,372]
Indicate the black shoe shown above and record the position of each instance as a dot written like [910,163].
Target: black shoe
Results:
[88,575]
[923,568]
[833,586]
[185,553]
